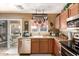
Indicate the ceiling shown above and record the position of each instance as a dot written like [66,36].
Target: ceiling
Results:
[32,8]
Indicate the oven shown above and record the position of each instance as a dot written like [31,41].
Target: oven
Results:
[73,29]
[66,52]
[76,39]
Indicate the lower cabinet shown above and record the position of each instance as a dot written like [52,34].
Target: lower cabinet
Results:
[57,48]
[42,46]
[51,46]
[39,46]
[35,46]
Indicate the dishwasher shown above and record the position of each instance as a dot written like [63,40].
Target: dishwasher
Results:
[24,46]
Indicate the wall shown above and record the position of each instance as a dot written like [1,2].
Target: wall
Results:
[15,16]
[51,18]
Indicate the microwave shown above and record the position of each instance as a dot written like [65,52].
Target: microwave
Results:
[73,23]
[70,24]
[77,22]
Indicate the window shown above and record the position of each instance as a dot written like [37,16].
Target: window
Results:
[39,24]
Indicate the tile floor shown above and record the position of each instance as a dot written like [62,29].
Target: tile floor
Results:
[14,52]
[8,52]
[40,55]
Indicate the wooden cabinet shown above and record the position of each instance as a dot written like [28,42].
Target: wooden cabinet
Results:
[57,22]
[51,46]
[44,45]
[24,46]
[63,20]
[57,48]
[73,9]
[35,45]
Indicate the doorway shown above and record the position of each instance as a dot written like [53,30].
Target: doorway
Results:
[14,31]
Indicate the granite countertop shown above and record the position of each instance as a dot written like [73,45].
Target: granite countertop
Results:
[41,37]
[38,37]
[50,37]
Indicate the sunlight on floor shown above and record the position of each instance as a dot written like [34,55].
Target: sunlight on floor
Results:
[9,52]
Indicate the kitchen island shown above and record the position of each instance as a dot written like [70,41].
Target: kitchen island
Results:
[39,45]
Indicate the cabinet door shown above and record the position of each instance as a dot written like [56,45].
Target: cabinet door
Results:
[57,48]
[19,45]
[63,20]
[35,45]
[43,45]
[73,9]
[51,46]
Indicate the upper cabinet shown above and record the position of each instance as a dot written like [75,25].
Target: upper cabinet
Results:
[63,19]
[73,9]
[57,22]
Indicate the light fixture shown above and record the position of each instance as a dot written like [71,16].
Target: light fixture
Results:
[20,6]
[40,11]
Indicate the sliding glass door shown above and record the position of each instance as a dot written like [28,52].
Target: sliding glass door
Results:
[3,33]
